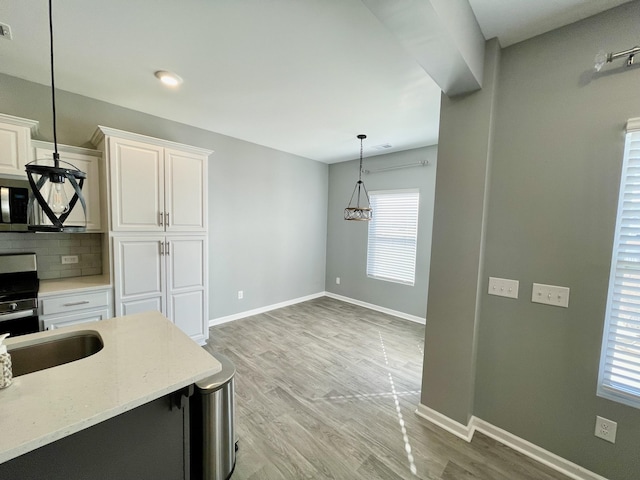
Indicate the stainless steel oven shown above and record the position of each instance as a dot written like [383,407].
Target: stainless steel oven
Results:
[18,294]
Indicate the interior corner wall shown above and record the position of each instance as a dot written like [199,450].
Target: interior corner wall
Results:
[267,208]
[347,241]
[558,148]
[457,250]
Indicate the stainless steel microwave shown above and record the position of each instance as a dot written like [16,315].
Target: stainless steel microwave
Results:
[14,200]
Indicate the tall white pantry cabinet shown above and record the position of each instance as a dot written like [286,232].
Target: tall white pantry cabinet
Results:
[158,227]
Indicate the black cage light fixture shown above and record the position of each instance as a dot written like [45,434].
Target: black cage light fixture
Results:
[47,179]
[357,212]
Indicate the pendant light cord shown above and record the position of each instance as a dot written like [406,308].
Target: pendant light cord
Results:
[53,89]
[360,173]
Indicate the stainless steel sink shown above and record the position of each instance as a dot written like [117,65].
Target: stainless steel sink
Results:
[53,351]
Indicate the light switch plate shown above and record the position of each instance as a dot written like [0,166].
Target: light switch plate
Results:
[550,295]
[503,287]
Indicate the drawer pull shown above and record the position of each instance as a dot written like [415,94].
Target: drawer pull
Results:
[73,304]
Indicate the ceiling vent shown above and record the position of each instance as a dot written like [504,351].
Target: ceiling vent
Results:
[384,146]
[5,31]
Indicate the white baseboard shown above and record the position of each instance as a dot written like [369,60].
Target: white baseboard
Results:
[256,311]
[521,445]
[237,316]
[444,422]
[539,454]
[377,308]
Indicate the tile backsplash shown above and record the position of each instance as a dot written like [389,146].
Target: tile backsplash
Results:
[50,247]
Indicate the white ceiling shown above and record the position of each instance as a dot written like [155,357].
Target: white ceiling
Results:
[301,76]
[513,21]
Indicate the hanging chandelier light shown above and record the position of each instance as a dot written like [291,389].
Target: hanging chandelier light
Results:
[47,179]
[359,213]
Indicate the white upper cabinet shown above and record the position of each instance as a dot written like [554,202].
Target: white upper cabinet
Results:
[89,162]
[137,186]
[185,190]
[156,186]
[15,136]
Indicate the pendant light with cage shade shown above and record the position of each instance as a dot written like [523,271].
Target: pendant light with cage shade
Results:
[49,202]
[362,213]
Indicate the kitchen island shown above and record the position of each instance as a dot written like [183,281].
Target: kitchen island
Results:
[145,359]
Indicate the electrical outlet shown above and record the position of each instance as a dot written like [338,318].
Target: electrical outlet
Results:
[550,295]
[67,259]
[606,429]
[240,294]
[503,287]
[337,280]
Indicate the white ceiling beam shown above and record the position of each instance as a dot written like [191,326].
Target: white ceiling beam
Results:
[443,36]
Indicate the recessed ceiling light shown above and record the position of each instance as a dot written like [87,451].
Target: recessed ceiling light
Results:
[168,78]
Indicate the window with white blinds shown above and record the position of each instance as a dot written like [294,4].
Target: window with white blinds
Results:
[393,236]
[619,377]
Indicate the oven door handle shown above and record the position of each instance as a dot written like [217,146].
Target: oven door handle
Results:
[15,315]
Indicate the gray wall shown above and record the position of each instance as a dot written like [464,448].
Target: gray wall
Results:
[347,241]
[553,189]
[267,209]
[268,220]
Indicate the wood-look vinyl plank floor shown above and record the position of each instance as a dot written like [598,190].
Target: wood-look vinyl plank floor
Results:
[328,390]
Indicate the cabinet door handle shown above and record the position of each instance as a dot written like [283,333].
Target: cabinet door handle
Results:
[166,219]
[168,250]
[161,215]
[73,304]
[161,248]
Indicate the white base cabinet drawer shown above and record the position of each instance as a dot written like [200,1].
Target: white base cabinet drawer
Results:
[51,323]
[73,308]
[73,302]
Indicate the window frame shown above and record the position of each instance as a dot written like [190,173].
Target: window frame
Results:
[607,386]
[414,225]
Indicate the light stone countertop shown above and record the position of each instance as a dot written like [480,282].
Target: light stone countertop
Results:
[144,358]
[73,285]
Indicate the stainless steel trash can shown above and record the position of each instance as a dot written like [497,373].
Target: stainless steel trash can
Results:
[213,437]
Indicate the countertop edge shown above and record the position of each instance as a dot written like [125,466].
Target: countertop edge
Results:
[63,286]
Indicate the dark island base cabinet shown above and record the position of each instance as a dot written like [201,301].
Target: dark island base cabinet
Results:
[150,442]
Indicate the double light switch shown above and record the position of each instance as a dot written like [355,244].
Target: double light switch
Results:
[540,293]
